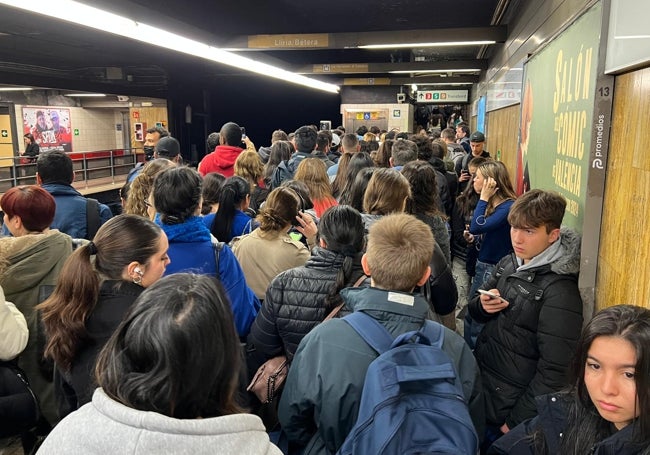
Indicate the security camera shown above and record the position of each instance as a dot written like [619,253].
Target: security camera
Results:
[122,98]
[401,97]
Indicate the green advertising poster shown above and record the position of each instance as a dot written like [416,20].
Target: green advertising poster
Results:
[556,114]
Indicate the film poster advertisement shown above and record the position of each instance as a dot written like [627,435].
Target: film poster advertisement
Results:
[50,127]
[557,108]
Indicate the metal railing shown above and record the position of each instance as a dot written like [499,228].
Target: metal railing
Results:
[91,169]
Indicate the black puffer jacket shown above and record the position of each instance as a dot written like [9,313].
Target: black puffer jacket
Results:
[295,304]
[525,349]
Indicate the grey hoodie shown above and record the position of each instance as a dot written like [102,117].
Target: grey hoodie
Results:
[105,426]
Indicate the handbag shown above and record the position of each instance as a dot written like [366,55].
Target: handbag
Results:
[270,377]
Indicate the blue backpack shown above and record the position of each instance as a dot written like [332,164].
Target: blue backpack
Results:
[412,400]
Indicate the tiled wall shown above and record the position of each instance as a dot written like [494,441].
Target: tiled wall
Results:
[97,128]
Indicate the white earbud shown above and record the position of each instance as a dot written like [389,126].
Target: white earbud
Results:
[138,271]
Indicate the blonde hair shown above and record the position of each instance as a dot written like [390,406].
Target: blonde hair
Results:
[142,185]
[248,165]
[386,193]
[313,172]
[399,251]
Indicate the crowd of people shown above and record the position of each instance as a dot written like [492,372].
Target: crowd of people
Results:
[348,276]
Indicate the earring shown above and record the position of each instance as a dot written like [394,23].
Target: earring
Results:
[138,279]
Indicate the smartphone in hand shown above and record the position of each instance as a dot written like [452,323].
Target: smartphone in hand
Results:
[490,294]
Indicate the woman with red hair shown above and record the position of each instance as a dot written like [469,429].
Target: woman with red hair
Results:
[30,261]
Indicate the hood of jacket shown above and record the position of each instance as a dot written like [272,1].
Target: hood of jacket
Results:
[264,153]
[225,155]
[563,256]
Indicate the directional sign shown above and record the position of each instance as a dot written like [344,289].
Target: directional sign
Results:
[4,133]
[442,96]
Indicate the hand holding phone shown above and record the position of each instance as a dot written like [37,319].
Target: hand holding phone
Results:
[494,303]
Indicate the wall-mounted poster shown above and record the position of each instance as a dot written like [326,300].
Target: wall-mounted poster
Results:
[556,115]
[49,126]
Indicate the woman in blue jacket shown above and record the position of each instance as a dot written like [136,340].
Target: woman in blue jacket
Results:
[177,199]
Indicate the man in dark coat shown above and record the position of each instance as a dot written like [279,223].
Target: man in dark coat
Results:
[320,402]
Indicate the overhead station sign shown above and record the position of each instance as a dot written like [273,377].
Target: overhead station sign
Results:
[301,41]
[442,96]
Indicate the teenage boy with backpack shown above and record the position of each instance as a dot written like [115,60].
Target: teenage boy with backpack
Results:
[322,395]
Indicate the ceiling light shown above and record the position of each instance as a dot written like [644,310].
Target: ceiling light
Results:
[470,70]
[439,44]
[88,16]
[88,95]
[15,89]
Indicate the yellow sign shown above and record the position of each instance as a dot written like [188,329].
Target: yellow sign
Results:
[302,41]
[366,81]
[341,68]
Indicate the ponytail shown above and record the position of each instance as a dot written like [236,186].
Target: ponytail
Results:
[65,312]
[233,193]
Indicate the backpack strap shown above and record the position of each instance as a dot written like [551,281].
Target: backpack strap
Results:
[92,217]
[217,247]
[434,332]
[370,330]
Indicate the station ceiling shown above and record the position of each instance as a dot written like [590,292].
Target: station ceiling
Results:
[318,39]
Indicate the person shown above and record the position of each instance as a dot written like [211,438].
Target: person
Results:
[357,162]
[322,150]
[136,202]
[280,151]
[300,298]
[382,157]
[151,138]
[61,133]
[13,330]
[304,141]
[402,152]
[211,192]
[477,146]
[55,174]
[462,136]
[320,401]
[606,408]
[313,172]
[354,197]
[387,192]
[95,289]
[222,159]
[176,197]
[231,220]
[265,152]
[269,249]
[423,202]
[249,166]
[489,229]
[30,261]
[170,149]
[31,148]
[455,152]
[168,379]
[533,323]
[349,145]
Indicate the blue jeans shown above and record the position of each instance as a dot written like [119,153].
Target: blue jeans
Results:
[471,327]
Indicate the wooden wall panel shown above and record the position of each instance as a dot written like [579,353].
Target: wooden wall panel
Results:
[503,134]
[623,274]
[148,115]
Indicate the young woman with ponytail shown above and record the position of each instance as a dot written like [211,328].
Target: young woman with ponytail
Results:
[230,220]
[96,287]
[299,299]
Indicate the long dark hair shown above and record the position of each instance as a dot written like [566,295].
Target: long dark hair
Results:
[586,426]
[358,161]
[342,230]
[233,193]
[120,241]
[280,151]
[176,352]
[424,189]
[354,197]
